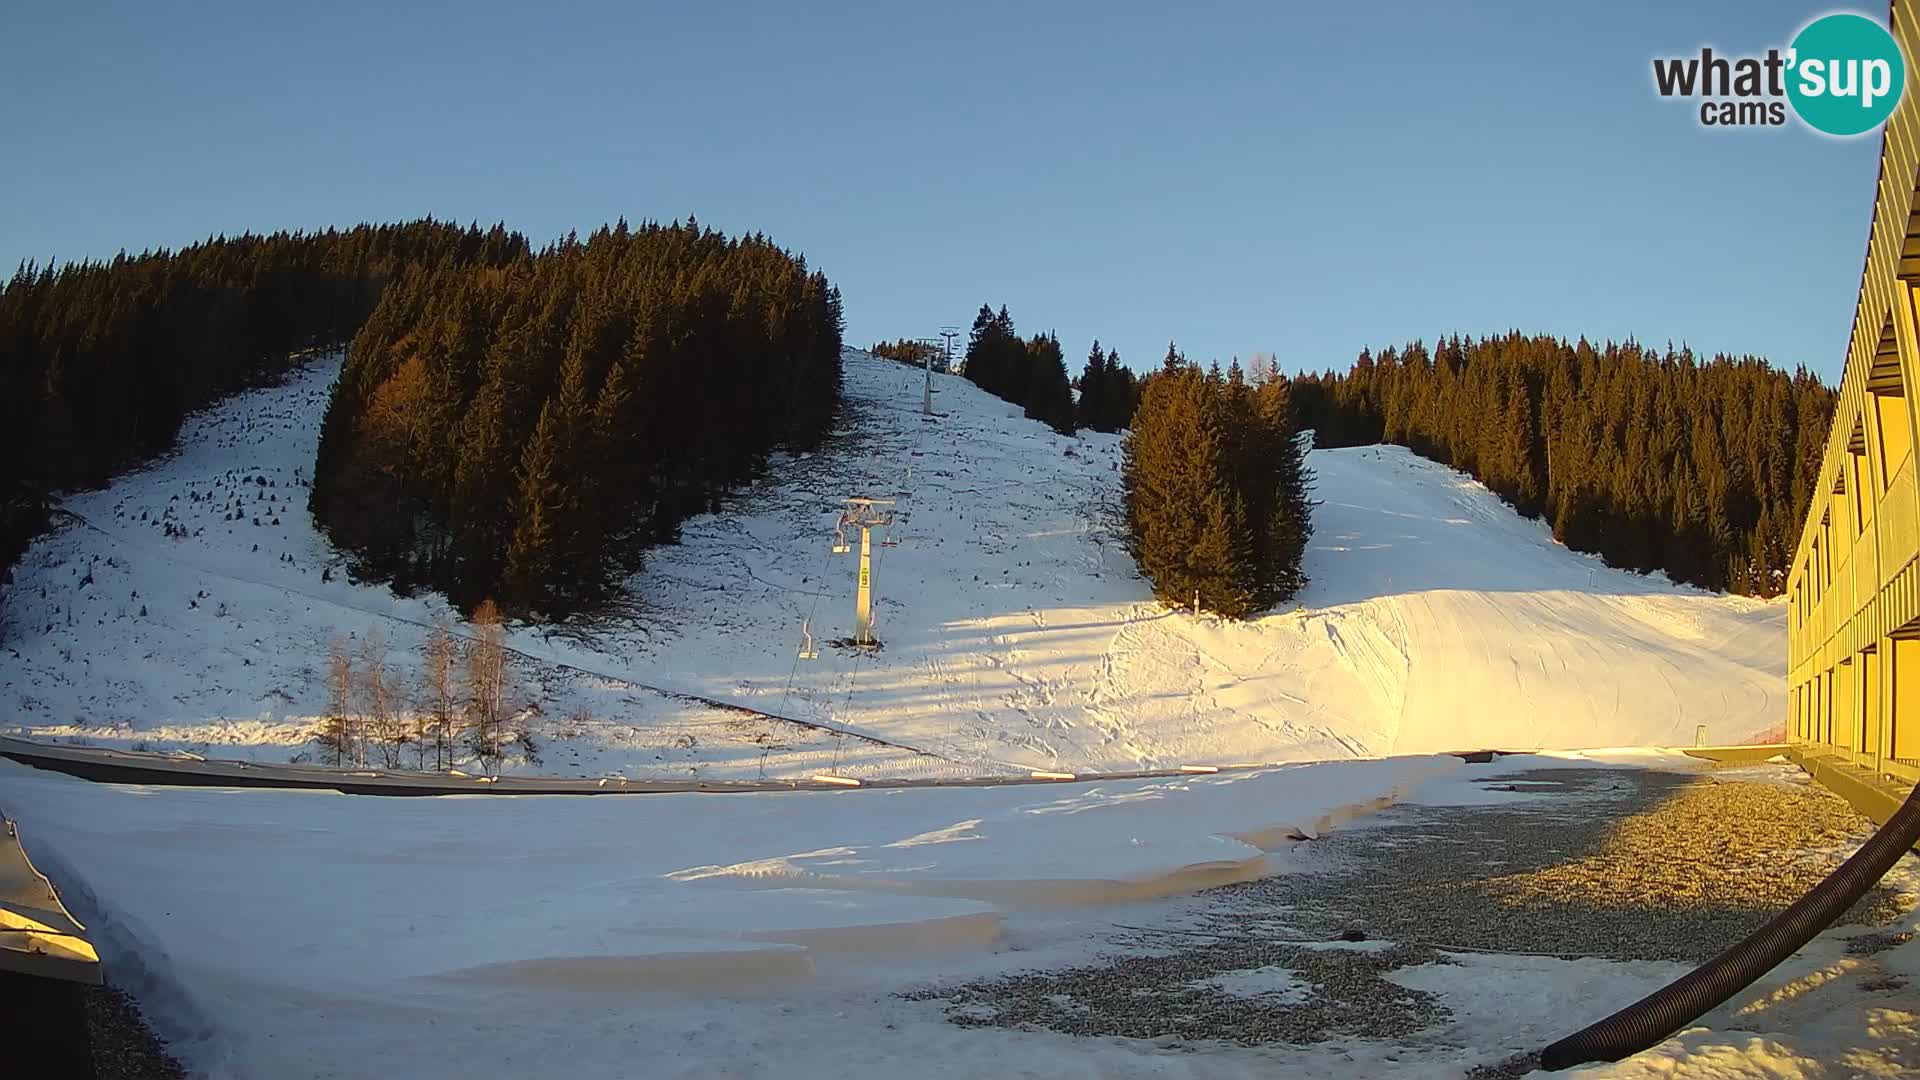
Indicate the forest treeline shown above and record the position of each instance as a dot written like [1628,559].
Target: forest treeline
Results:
[911,353]
[1029,372]
[525,431]
[1215,488]
[101,360]
[1109,392]
[1032,373]
[1655,460]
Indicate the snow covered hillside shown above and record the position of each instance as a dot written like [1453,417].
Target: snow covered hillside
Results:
[190,605]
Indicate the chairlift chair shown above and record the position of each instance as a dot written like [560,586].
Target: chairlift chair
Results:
[808,651]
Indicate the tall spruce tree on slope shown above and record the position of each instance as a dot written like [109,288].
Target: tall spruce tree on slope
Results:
[1215,491]
[1288,522]
[536,555]
[1107,392]
[996,357]
[1176,486]
[1092,409]
[1049,397]
[976,365]
[1123,393]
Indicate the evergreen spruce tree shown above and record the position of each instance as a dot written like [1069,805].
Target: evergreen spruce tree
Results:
[1049,397]
[1215,492]
[1094,408]
[983,357]
[1172,461]
[536,556]
[1288,524]
[1123,393]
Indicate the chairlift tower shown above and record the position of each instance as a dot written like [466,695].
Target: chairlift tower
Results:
[865,515]
[926,356]
[947,334]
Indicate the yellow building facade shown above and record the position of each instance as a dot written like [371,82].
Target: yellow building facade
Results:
[1853,595]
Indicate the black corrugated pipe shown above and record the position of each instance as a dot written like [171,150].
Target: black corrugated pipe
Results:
[1667,1010]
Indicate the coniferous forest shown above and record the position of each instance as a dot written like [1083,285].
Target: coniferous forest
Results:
[910,353]
[1109,392]
[525,425]
[1655,460]
[526,430]
[1029,372]
[1216,488]
[100,361]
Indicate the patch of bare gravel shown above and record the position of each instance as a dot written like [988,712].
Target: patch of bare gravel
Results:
[124,1048]
[1616,863]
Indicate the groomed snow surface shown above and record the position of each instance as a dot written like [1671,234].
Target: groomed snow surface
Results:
[190,604]
[311,934]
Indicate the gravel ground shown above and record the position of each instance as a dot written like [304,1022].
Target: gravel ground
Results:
[124,1048]
[1616,863]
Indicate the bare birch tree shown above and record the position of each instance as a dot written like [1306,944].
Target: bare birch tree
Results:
[384,724]
[437,670]
[486,687]
[339,730]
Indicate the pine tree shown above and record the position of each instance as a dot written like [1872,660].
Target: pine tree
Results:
[1094,408]
[536,555]
[1049,397]
[1123,394]
[1214,492]
[1288,523]
[979,364]
[997,359]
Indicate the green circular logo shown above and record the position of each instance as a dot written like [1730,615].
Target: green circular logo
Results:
[1845,74]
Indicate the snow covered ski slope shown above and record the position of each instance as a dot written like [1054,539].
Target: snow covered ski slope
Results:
[189,605]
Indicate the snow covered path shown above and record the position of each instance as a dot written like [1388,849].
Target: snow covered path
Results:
[1017,634]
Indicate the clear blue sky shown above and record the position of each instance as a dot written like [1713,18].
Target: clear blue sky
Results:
[1301,179]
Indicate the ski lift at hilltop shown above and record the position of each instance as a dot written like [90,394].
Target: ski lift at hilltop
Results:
[808,650]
